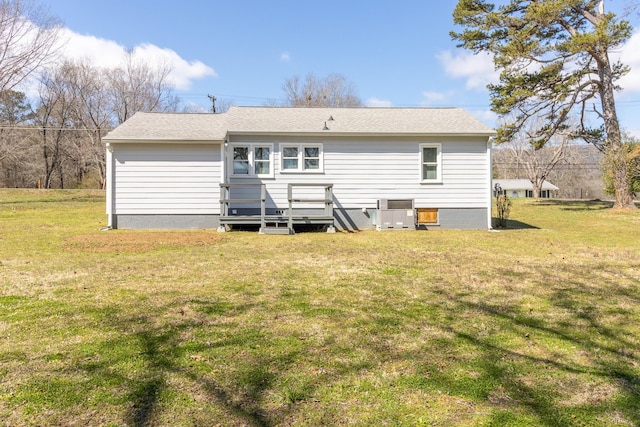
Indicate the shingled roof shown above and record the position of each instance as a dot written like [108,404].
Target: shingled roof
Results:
[278,120]
[170,127]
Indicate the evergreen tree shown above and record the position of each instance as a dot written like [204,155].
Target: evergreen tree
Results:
[553,58]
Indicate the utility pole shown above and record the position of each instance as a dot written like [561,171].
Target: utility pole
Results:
[213,103]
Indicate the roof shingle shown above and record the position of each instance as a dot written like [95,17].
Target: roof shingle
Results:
[278,120]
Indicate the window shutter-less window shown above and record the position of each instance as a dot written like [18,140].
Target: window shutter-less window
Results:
[262,161]
[429,163]
[241,160]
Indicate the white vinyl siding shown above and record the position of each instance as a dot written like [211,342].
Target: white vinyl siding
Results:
[167,178]
[365,170]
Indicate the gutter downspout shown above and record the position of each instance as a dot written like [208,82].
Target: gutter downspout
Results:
[490,193]
[110,186]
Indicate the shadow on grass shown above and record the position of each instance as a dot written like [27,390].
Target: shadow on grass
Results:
[148,360]
[491,353]
[513,224]
[583,348]
[576,205]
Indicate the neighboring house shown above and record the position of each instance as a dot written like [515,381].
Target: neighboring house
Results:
[352,168]
[524,188]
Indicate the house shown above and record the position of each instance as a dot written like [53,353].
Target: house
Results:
[349,168]
[524,188]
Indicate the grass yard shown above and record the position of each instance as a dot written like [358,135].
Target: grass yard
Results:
[537,325]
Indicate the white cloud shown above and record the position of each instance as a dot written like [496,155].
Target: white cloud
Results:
[477,69]
[375,102]
[183,71]
[434,96]
[101,52]
[285,57]
[109,54]
[487,117]
[630,56]
[431,98]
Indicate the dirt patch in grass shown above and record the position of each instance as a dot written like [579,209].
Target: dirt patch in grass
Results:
[114,241]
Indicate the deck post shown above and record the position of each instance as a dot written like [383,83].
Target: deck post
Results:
[224,207]
[328,195]
[290,213]
[263,209]
[222,197]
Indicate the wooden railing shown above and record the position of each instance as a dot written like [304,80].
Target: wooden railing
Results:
[228,217]
[327,201]
[226,199]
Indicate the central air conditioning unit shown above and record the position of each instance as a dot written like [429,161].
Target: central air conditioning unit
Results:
[396,214]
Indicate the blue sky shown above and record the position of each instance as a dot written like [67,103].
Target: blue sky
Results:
[397,53]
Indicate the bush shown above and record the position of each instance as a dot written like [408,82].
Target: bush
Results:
[503,206]
[627,156]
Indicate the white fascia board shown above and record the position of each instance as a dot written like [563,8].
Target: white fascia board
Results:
[360,134]
[163,141]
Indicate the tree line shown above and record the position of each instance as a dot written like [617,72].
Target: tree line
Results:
[55,141]
[52,138]
[553,58]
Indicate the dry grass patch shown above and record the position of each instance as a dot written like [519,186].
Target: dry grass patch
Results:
[119,241]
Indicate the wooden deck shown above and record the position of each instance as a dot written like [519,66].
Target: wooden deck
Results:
[275,224]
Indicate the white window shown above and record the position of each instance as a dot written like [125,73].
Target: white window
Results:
[290,160]
[252,160]
[431,163]
[240,160]
[302,158]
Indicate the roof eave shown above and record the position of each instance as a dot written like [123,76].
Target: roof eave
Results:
[363,134]
[161,140]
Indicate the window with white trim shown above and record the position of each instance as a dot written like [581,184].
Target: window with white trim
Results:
[252,160]
[290,160]
[431,163]
[302,158]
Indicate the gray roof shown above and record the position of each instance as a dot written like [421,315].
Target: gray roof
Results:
[171,127]
[521,184]
[278,120]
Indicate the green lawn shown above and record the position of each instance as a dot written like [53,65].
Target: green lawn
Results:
[536,325]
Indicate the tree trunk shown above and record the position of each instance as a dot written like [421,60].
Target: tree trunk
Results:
[536,190]
[48,166]
[622,192]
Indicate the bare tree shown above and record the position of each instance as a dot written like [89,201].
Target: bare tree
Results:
[28,41]
[14,138]
[136,86]
[93,115]
[536,162]
[54,116]
[77,104]
[578,175]
[331,91]
[14,111]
